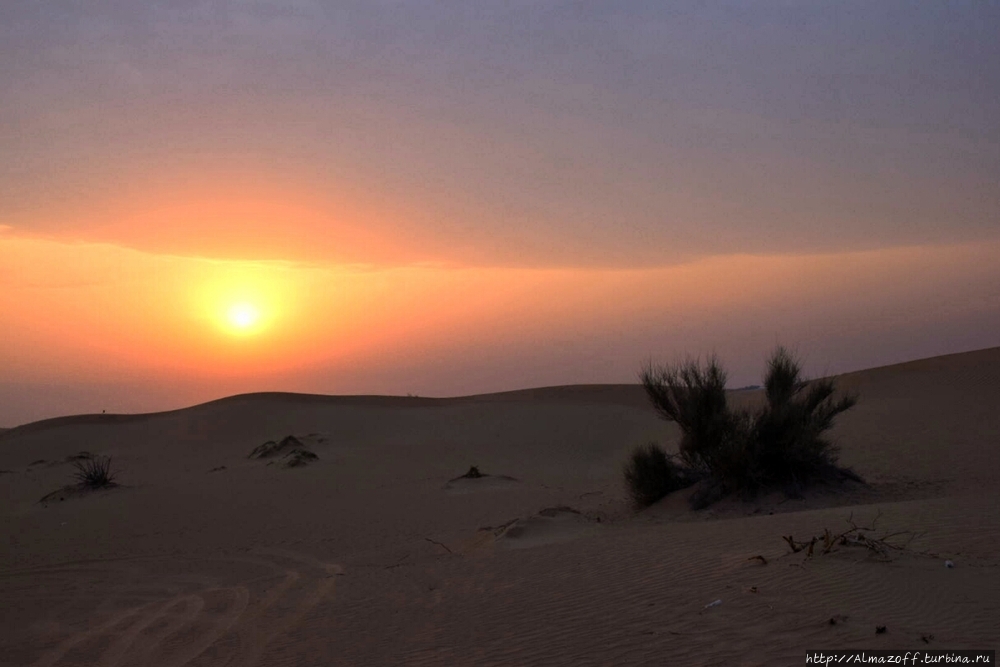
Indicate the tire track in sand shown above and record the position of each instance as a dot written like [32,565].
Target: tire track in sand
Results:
[223,612]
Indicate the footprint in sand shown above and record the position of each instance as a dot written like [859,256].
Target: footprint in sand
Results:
[550,526]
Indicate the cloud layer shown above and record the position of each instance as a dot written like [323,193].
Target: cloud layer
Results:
[532,134]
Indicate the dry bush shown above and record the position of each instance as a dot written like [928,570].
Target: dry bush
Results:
[652,474]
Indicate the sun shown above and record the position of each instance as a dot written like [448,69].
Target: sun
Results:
[242,316]
[244,301]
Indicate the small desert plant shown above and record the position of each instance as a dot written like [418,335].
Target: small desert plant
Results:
[652,474]
[94,473]
[779,445]
[271,448]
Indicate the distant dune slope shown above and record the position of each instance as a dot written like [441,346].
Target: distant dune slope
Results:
[964,371]
[933,419]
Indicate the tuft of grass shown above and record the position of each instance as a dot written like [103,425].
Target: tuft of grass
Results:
[779,445]
[652,474]
[94,473]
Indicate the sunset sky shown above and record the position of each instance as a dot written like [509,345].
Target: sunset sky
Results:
[206,198]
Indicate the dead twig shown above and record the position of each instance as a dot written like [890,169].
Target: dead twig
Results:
[443,546]
[399,563]
[862,536]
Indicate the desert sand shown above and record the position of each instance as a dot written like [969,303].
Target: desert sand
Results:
[379,551]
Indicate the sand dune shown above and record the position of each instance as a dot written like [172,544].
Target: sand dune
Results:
[377,551]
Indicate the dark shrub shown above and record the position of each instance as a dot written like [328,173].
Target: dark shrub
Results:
[790,450]
[651,474]
[94,473]
[695,398]
[780,445]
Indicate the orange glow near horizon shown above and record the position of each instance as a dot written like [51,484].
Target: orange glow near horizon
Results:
[232,216]
[78,311]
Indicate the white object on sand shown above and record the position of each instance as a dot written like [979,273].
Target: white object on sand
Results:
[713,604]
[949,564]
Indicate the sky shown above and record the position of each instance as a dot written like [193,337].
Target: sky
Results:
[444,198]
